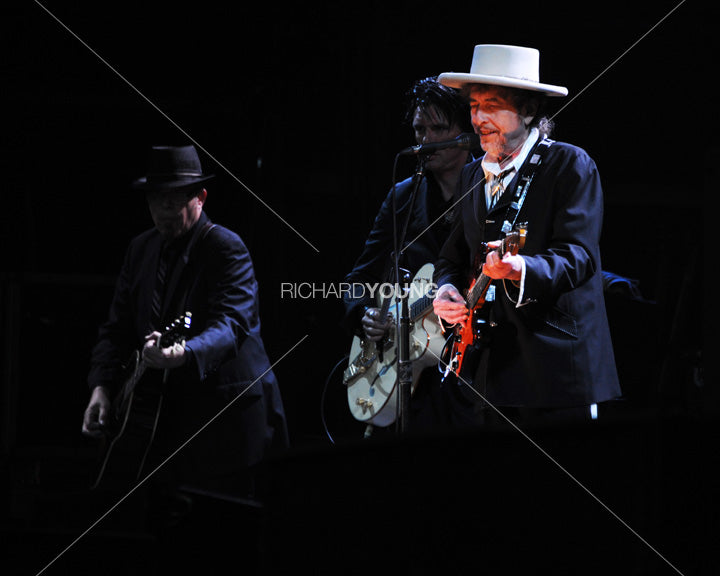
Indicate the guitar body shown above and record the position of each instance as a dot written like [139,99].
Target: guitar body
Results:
[134,416]
[370,380]
[474,331]
[131,429]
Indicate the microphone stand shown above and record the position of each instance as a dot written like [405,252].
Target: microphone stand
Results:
[404,373]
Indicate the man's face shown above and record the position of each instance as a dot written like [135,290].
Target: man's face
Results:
[175,212]
[430,125]
[502,128]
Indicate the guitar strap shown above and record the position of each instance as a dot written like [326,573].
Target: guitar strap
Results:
[179,298]
[417,184]
[526,177]
[527,173]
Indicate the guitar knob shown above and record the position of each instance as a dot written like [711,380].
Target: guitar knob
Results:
[364,402]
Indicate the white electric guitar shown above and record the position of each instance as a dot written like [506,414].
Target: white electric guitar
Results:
[371,377]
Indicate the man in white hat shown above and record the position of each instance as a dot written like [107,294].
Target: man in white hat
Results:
[538,341]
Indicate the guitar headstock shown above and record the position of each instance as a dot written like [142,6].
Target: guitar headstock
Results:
[176,330]
[515,239]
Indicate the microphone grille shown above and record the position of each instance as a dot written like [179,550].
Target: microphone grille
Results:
[468,140]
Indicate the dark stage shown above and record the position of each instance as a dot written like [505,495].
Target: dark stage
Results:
[299,113]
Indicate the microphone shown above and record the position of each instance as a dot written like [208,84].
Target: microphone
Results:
[466,141]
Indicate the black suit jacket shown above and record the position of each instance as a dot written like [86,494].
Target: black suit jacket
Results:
[555,349]
[424,238]
[213,278]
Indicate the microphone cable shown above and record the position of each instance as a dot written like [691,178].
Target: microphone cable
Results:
[322,396]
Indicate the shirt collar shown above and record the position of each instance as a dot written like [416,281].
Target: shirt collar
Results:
[515,163]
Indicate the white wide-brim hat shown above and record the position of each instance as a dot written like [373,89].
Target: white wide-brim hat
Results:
[502,65]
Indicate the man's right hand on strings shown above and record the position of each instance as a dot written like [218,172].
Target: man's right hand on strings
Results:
[374,326]
[96,413]
[449,305]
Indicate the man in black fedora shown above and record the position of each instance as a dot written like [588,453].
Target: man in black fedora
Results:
[215,378]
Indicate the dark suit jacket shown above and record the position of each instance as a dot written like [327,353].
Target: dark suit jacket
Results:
[423,242]
[555,349]
[213,278]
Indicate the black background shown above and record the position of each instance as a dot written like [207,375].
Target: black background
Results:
[298,110]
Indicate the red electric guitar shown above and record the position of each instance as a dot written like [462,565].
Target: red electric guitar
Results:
[476,327]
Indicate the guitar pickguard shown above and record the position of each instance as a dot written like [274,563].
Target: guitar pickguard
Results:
[371,383]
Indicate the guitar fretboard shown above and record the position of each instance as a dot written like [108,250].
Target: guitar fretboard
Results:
[420,306]
[483,282]
[478,290]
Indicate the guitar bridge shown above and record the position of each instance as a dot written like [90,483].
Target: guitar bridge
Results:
[357,367]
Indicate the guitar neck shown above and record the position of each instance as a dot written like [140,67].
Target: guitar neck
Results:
[478,291]
[417,307]
[482,282]
[420,307]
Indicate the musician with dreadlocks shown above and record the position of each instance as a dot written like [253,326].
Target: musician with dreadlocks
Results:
[436,113]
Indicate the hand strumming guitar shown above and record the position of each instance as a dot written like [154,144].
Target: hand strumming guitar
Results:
[449,305]
[96,413]
[374,326]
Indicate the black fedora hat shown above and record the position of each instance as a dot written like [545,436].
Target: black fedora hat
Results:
[172,168]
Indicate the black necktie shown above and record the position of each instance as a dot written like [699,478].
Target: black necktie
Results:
[497,188]
[159,291]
